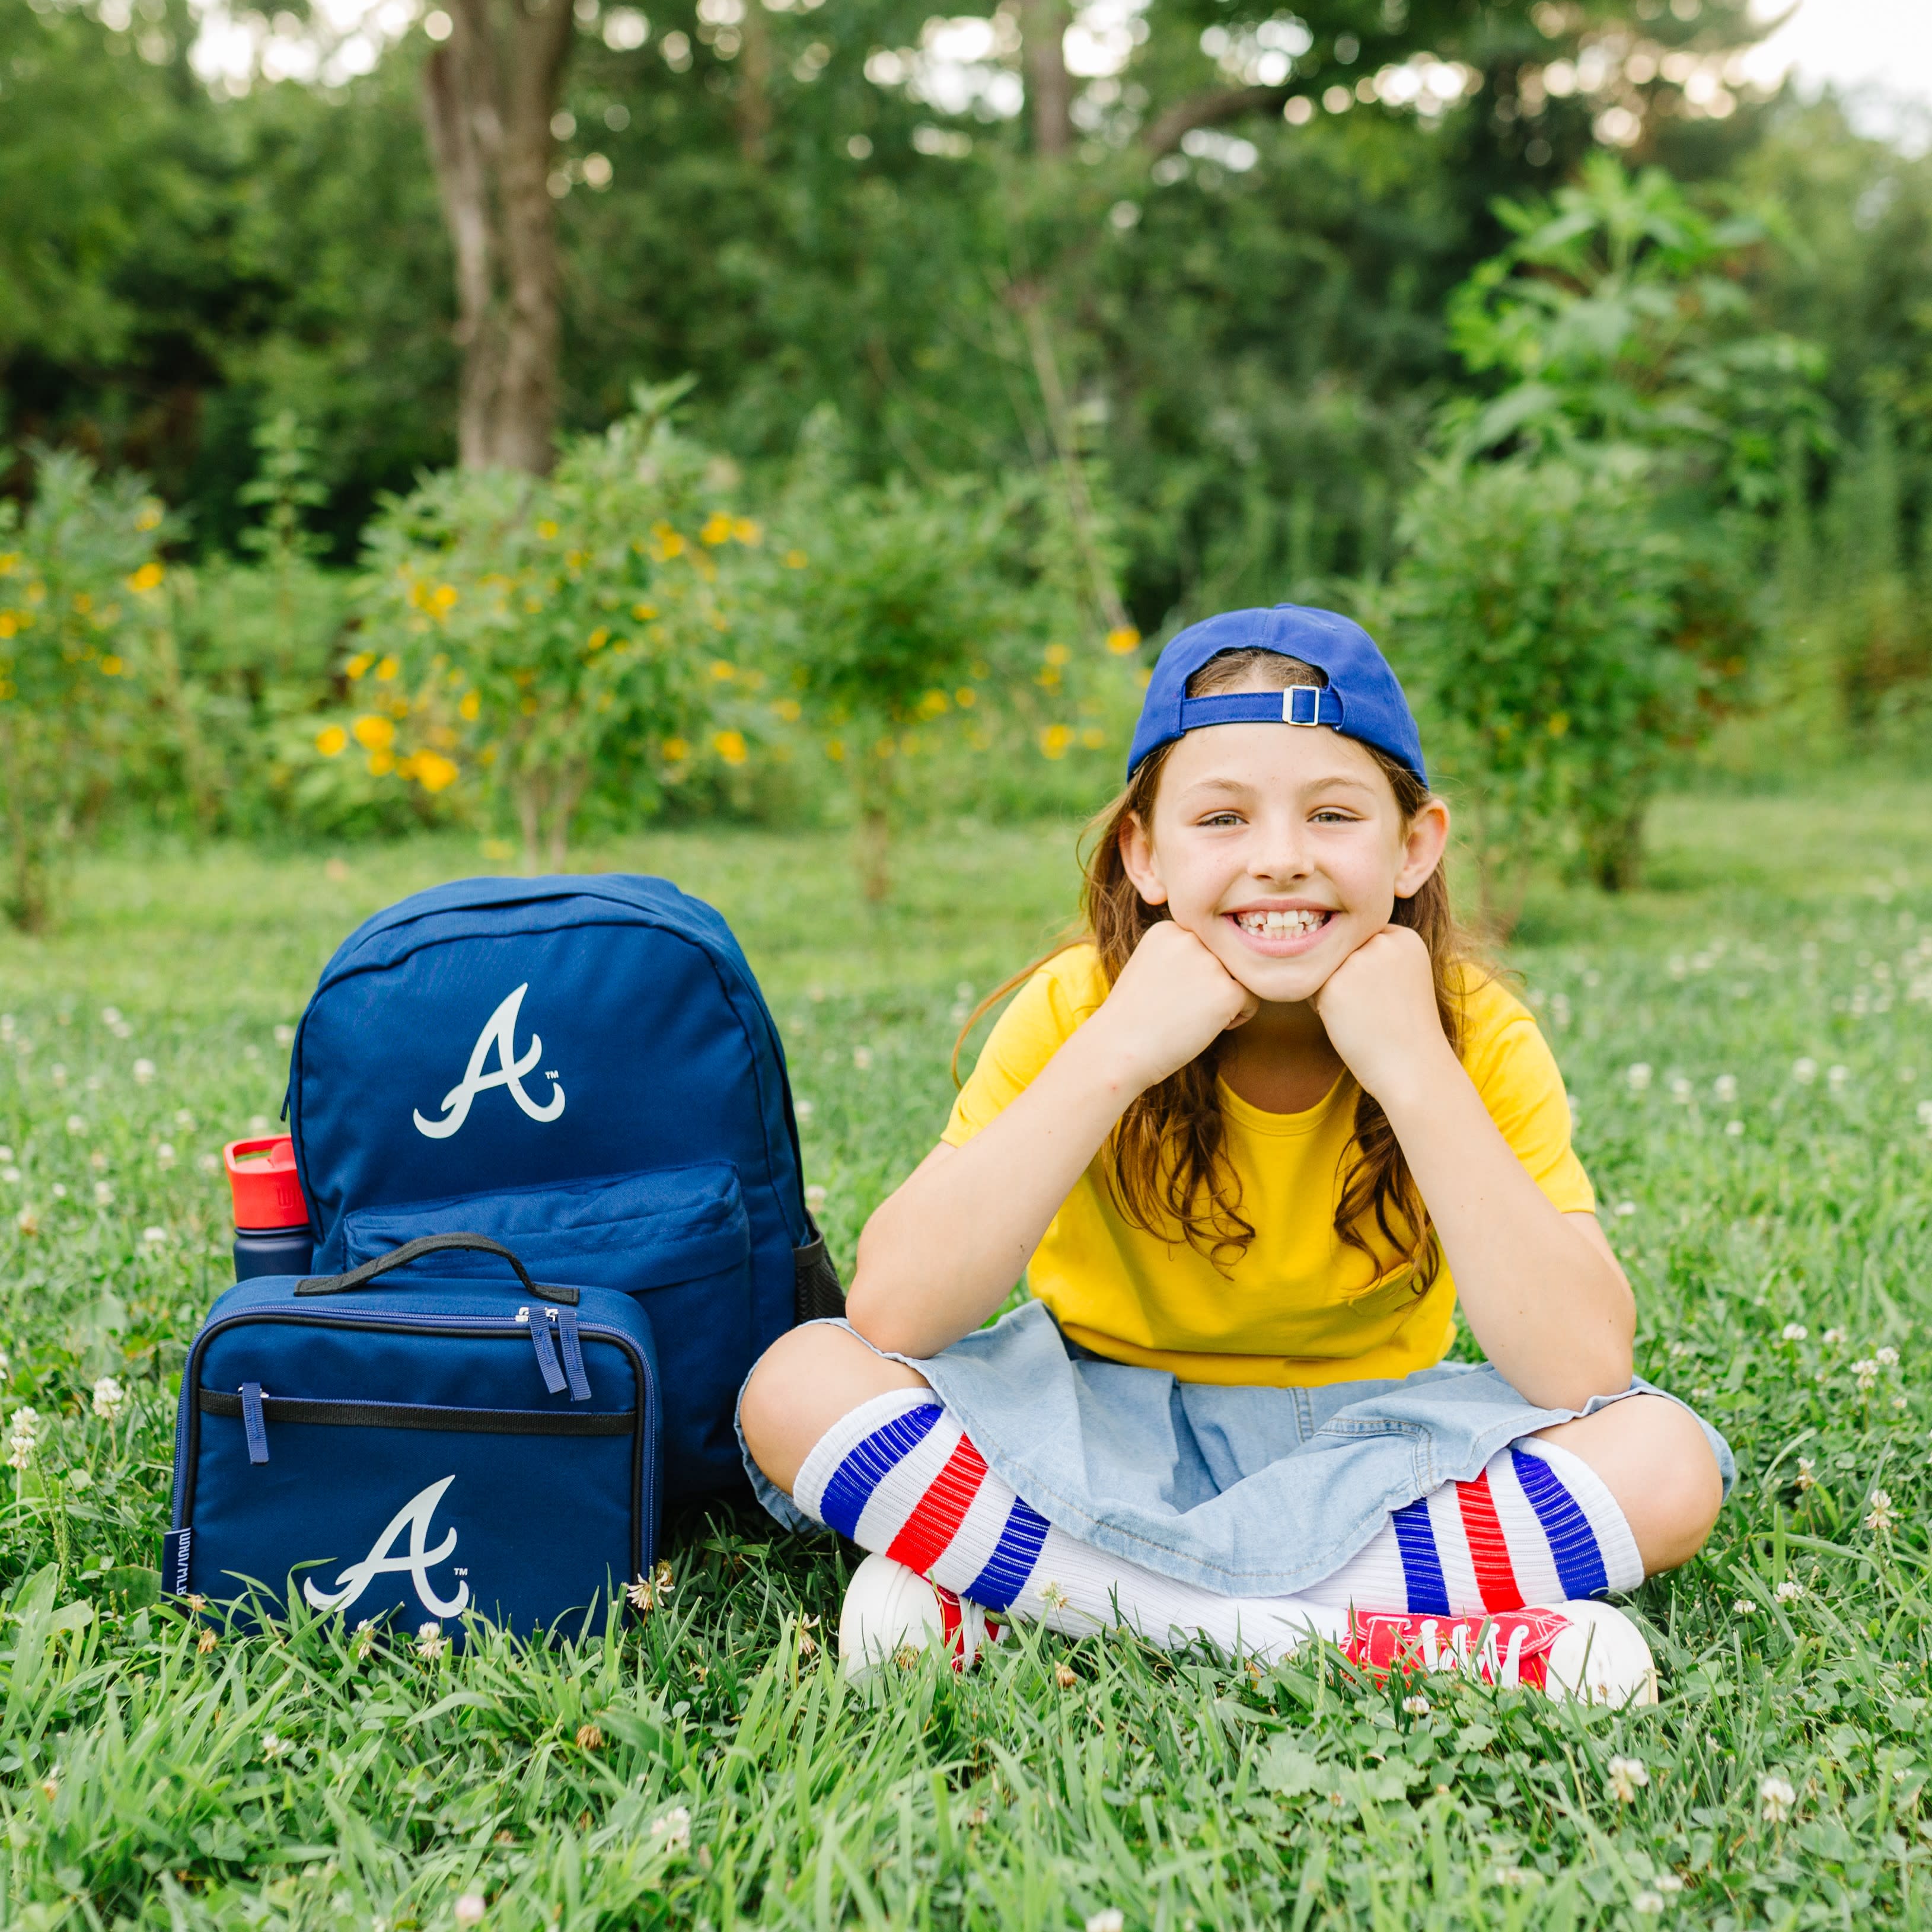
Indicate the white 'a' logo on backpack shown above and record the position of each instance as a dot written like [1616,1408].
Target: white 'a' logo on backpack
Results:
[414,1515]
[500,1030]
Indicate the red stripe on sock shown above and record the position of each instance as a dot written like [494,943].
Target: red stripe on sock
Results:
[938,1514]
[1489,1549]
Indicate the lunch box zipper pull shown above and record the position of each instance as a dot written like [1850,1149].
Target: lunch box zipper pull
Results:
[254,1424]
[566,1319]
[547,1362]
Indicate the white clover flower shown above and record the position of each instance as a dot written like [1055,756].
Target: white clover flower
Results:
[672,1830]
[60,1190]
[1636,1075]
[144,1071]
[1886,1358]
[1734,1129]
[365,1638]
[1647,1903]
[470,1907]
[1882,1517]
[1804,1070]
[208,1163]
[861,1058]
[1866,1373]
[431,1642]
[1628,1776]
[1417,1706]
[57,1073]
[273,1747]
[1744,1607]
[804,1109]
[1837,1075]
[1790,1590]
[1110,1920]
[1832,1337]
[76,1124]
[285,1035]
[184,1119]
[1669,1883]
[9,1174]
[1725,1087]
[6,1155]
[1516,1875]
[814,1197]
[27,1221]
[110,1016]
[6,1364]
[1775,1797]
[164,1153]
[154,1235]
[103,1194]
[109,1399]
[1624,1209]
[1680,1089]
[1794,1331]
[23,1435]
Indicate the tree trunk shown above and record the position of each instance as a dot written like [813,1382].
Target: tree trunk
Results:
[1049,87]
[489,92]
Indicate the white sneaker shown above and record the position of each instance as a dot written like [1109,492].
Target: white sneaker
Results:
[1584,1650]
[890,1610]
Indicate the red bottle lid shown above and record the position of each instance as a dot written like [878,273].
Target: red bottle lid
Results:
[261,1177]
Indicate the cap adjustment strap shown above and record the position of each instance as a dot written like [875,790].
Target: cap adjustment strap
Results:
[1303,704]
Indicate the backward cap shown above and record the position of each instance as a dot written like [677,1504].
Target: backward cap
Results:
[1363,699]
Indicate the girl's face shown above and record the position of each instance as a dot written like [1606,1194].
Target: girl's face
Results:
[1281,849]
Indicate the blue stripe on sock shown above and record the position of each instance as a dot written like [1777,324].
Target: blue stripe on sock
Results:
[1572,1543]
[1421,1567]
[1012,1560]
[852,1483]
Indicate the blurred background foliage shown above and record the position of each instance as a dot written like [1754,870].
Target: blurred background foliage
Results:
[971,355]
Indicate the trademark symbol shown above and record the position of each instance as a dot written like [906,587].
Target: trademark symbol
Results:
[461,1570]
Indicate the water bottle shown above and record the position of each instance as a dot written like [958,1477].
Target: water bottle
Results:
[272,1230]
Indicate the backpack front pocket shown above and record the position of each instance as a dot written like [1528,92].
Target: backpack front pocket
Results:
[677,1238]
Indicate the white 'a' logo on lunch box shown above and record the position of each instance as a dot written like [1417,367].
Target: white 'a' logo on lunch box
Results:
[415,1516]
[500,1031]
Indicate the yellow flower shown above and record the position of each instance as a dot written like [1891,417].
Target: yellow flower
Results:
[1123,640]
[547,529]
[1093,738]
[1048,677]
[966,698]
[669,543]
[373,734]
[10,622]
[357,665]
[386,671]
[149,516]
[643,612]
[723,672]
[676,750]
[469,704]
[1054,740]
[382,763]
[748,530]
[717,529]
[331,741]
[1057,654]
[9,562]
[729,745]
[148,578]
[443,597]
[1558,723]
[434,772]
[111,666]
[82,602]
[835,750]
[789,710]
[932,702]
[597,639]
[795,559]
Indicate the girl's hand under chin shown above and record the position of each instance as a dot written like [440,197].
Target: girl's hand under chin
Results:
[1173,999]
[1378,1006]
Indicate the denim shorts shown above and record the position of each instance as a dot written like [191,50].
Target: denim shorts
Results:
[1245,1492]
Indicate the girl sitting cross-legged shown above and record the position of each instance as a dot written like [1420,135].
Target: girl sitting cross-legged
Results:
[1254,1141]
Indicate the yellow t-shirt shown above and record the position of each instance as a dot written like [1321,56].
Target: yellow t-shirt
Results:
[1299,1308]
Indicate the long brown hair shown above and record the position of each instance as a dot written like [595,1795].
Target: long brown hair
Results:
[1167,1165]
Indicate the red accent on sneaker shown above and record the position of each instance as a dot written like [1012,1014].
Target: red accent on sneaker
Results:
[1509,1648]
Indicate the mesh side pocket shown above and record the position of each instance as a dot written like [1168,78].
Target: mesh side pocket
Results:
[816,1291]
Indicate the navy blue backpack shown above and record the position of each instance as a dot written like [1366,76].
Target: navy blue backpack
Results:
[583,1068]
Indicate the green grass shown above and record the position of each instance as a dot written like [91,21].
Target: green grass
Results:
[286,1780]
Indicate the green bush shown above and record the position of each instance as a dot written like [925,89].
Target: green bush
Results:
[85,655]
[544,636]
[1536,604]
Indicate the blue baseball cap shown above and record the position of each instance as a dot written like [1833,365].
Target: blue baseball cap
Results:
[1361,699]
